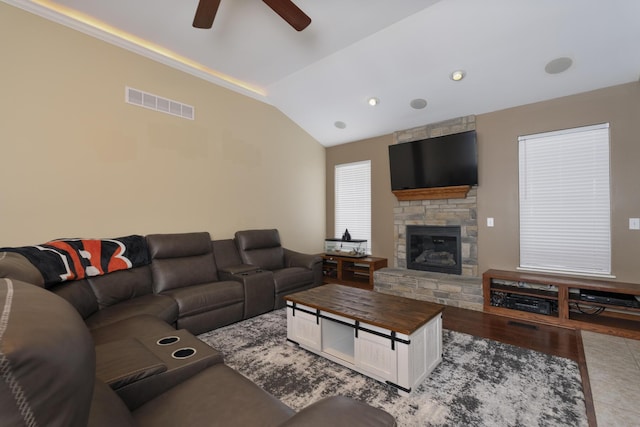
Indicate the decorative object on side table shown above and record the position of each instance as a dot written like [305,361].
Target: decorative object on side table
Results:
[354,248]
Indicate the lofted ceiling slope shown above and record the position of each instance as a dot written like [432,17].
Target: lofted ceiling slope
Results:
[396,51]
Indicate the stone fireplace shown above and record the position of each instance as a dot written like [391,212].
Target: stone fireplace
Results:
[434,248]
[444,215]
[460,288]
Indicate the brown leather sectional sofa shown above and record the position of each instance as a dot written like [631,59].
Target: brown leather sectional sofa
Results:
[120,348]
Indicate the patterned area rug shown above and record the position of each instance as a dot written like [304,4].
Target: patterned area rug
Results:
[479,382]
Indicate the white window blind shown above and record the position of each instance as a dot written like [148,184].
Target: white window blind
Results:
[565,202]
[353,200]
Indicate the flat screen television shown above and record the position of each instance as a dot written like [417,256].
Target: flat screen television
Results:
[442,161]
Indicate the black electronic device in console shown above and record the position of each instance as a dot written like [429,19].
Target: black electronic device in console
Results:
[530,304]
[609,298]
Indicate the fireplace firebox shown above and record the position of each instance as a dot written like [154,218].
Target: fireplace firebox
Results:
[434,248]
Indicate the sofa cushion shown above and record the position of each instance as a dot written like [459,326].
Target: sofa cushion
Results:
[248,240]
[206,297]
[181,260]
[208,320]
[121,285]
[161,306]
[226,253]
[261,248]
[107,409]
[268,259]
[16,266]
[144,325]
[216,396]
[176,273]
[79,294]
[176,245]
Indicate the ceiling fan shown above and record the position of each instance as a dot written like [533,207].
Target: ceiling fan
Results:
[207,9]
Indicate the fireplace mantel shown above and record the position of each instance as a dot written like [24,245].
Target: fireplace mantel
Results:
[457,192]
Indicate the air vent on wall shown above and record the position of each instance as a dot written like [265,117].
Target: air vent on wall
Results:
[157,103]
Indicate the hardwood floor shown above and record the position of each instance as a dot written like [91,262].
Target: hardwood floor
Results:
[545,339]
[552,340]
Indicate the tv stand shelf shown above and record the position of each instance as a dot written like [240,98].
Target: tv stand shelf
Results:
[357,272]
[559,297]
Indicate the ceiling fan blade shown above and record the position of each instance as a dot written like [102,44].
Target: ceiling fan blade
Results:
[290,13]
[206,13]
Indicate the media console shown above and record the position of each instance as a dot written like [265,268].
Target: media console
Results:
[579,303]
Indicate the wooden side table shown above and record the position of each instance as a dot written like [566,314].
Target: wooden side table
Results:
[356,272]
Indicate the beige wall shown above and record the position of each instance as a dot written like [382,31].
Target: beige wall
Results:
[382,200]
[498,154]
[78,161]
[498,174]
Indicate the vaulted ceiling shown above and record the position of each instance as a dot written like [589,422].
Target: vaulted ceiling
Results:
[396,51]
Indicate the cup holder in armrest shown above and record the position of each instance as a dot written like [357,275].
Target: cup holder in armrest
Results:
[168,340]
[183,353]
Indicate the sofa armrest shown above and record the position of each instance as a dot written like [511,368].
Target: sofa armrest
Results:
[309,261]
[298,259]
[235,270]
[258,285]
[123,362]
[340,411]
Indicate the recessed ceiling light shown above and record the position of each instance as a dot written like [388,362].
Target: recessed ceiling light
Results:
[457,75]
[558,65]
[340,125]
[418,103]
[373,101]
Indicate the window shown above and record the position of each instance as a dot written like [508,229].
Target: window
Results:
[353,200]
[564,201]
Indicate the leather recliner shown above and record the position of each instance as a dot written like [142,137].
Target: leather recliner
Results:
[183,267]
[48,363]
[292,271]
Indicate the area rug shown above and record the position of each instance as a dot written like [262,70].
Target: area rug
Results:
[479,382]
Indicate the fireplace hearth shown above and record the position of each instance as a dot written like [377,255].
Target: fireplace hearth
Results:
[434,248]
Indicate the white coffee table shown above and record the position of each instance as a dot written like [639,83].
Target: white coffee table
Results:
[392,339]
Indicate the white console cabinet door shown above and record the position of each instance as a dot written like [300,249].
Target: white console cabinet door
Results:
[304,328]
[374,355]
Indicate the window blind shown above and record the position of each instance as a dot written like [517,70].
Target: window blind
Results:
[565,201]
[353,200]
